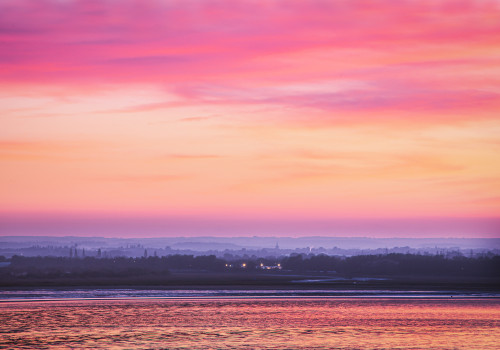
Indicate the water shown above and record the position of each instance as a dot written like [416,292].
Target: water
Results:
[252,323]
[114,293]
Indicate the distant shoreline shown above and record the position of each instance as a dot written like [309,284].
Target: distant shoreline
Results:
[218,281]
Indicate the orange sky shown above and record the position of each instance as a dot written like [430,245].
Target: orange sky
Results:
[262,110]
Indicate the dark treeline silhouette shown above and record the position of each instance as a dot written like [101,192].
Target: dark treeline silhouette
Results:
[360,265]
[62,267]
[396,265]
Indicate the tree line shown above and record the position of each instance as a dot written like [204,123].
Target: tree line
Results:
[360,265]
[397,265]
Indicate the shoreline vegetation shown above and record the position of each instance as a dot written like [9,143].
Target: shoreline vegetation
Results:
[370,272]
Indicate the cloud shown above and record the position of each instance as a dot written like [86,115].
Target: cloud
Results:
[23,150]
[196,119]
[146,178]
[315,167]
[149,60]
[192,156]
[147,107]
[373,99]
[257,48]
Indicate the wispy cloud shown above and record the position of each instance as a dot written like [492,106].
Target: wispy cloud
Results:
[17,150]
[146,178]
[257,50]
[191,156]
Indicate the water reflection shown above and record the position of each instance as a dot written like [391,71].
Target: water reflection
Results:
[252,324]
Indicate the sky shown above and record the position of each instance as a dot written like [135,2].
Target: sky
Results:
[150,118]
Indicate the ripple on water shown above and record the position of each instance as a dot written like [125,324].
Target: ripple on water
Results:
[250,324]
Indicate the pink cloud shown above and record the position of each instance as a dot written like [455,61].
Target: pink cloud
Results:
[192,156]
[149,178]
[250,44]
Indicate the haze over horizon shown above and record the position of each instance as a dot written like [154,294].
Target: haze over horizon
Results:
[278,118]
[134,227]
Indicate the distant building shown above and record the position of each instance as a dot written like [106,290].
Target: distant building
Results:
[270,267]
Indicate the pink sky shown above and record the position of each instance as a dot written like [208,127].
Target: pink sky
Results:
[239,112]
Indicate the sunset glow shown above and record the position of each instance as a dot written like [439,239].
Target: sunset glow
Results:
[268,111]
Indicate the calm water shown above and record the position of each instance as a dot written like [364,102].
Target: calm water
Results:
[114,293]
[334,323]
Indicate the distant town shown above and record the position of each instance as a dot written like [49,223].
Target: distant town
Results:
[309,262]
[230,248]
